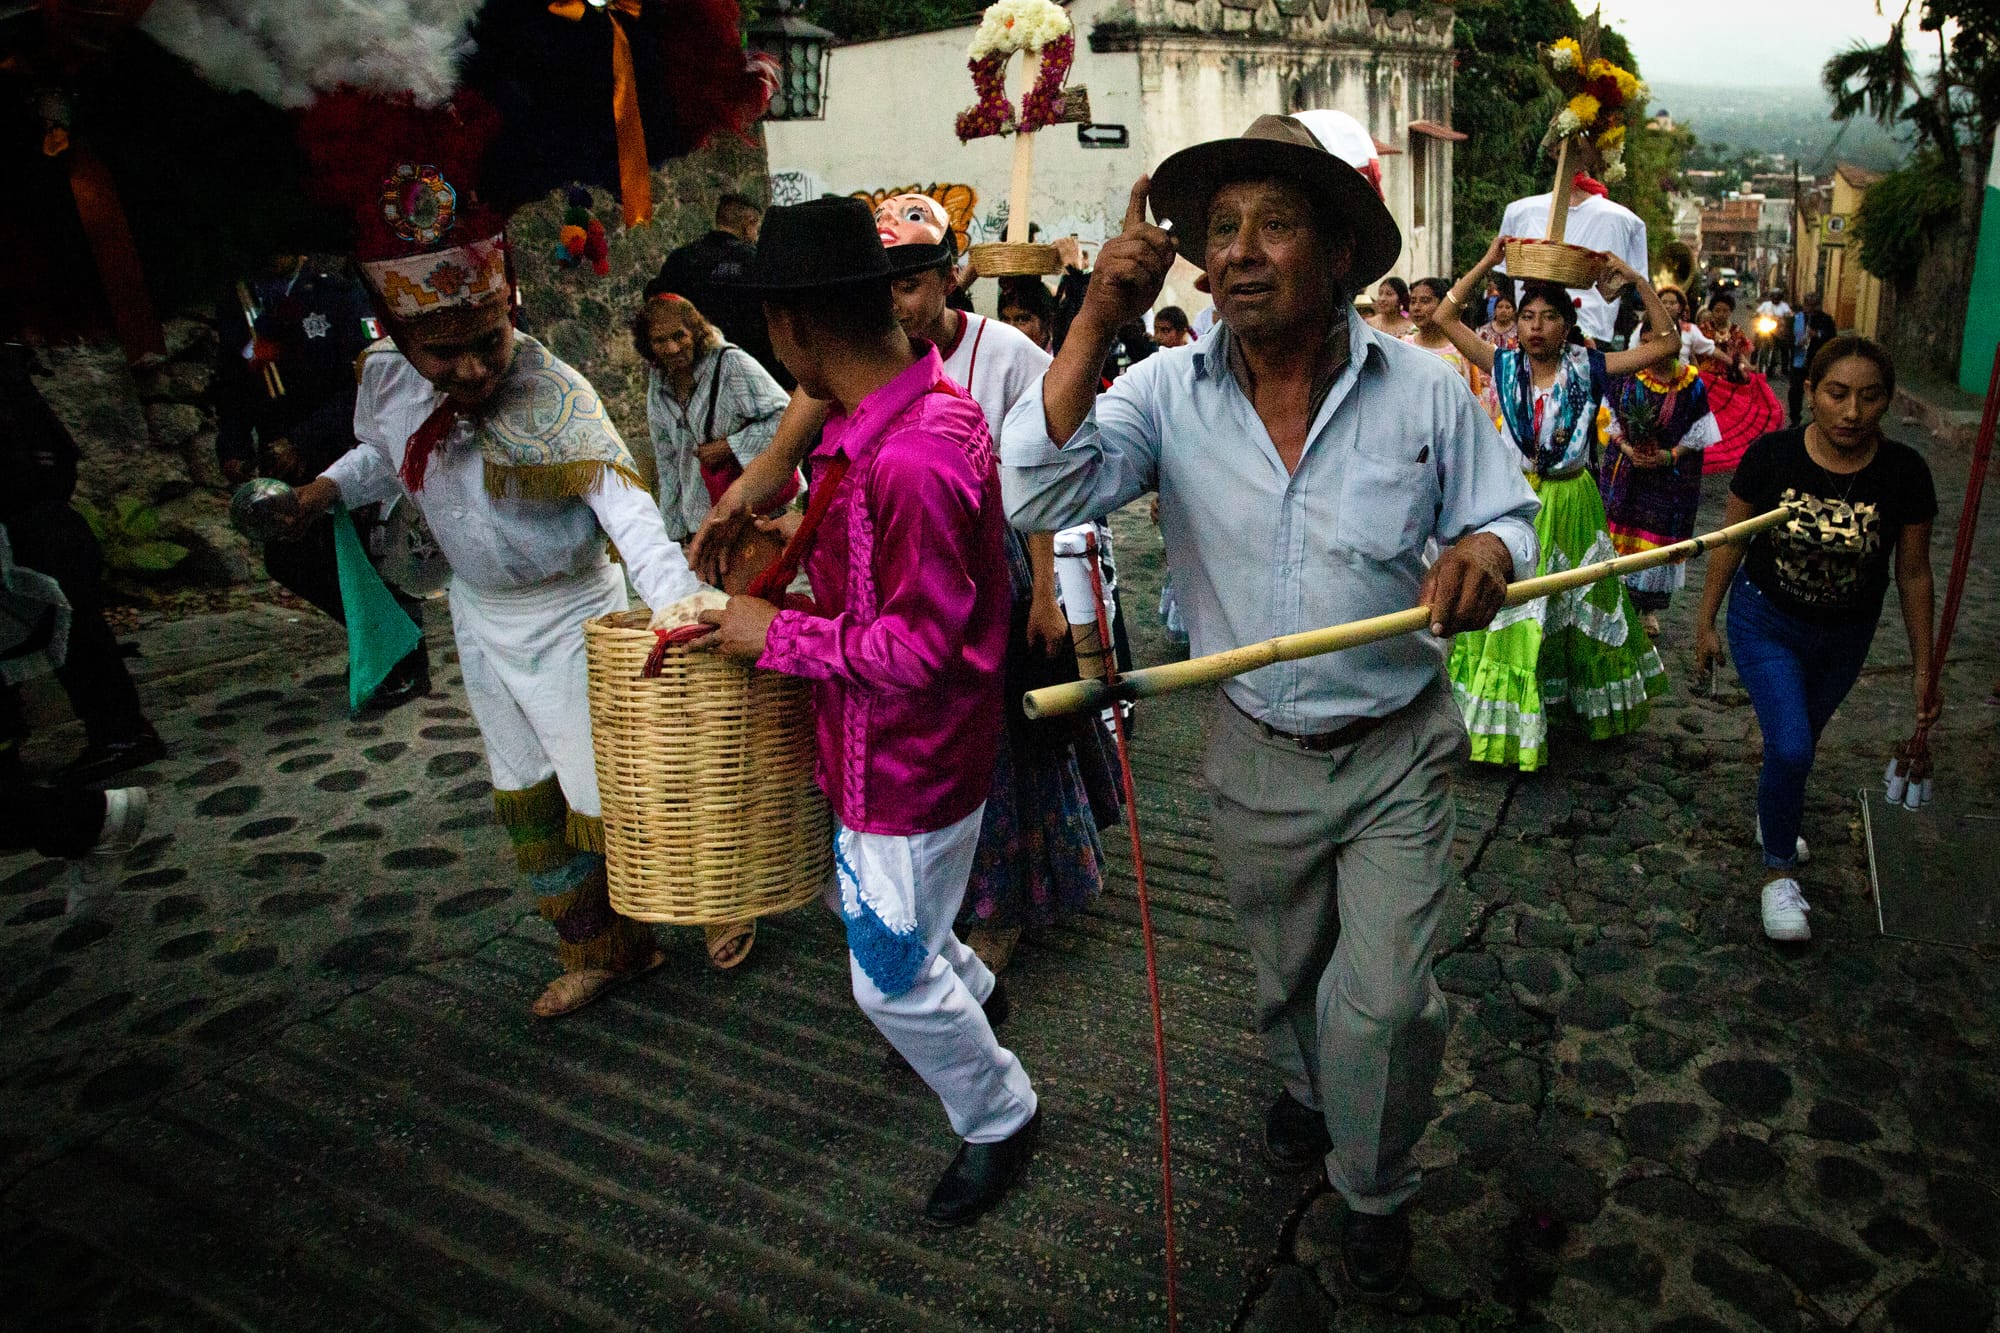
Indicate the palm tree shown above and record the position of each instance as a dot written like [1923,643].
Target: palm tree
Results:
[1950,114]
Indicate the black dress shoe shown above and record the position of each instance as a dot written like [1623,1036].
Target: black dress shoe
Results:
[410,679]
[105,759]
[1375,1251]
[1295,1135]
[996,1008]
[979,1176]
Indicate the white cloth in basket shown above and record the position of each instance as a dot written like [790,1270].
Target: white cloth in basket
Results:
[688,609]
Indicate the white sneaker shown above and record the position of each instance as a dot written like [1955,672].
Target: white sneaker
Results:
[1785,912]
[96,873]
[1804,855]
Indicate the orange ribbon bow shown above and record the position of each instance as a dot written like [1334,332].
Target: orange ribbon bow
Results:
[635,172]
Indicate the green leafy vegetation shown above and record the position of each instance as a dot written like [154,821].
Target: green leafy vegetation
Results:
[1901,212]
[863,20]
[130,537]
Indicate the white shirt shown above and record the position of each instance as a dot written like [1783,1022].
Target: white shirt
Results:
[996,363]
[1595,224]
[1695,343]
[496,543]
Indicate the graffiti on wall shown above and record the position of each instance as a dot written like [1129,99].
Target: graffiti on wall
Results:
[795,187]
[958,200]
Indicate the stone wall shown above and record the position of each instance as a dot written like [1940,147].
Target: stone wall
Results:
[149,434]
[584,318]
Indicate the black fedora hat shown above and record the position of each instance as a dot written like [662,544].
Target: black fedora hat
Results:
[1281,147]
[826,243]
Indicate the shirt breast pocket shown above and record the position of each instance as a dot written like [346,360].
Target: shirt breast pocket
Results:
[1387,507]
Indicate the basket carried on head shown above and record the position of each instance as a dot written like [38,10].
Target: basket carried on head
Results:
[711,811]
[1566,265]
[1004,259]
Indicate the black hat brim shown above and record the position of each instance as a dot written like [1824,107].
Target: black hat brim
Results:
[1185,185]
[903,260]
[918,257]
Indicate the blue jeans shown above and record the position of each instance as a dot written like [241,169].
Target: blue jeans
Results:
[1797,673]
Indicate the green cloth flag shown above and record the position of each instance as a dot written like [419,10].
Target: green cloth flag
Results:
[379,632]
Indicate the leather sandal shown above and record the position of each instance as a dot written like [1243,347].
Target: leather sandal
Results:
[729,943]
[573,990]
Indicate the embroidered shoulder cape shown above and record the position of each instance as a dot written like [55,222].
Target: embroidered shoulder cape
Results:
[546,435]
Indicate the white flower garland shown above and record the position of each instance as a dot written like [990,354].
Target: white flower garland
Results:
[1018,25]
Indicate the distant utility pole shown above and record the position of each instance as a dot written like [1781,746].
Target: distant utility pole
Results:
[1799,211]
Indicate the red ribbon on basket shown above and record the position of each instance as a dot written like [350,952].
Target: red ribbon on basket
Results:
[770,582]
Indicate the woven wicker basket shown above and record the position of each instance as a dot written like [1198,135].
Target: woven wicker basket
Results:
[1570,265]
[1003,260]
[711,813]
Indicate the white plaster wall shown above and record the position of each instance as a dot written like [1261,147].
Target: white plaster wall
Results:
[891,105]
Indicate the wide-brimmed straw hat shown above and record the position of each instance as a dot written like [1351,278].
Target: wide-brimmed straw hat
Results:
[826,243]
[1279,147]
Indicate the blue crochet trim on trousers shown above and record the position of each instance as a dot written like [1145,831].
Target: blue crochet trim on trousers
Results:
[892,959]
[548,883]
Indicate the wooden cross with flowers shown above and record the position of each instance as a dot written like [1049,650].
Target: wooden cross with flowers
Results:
[1041,31]
[1595,95]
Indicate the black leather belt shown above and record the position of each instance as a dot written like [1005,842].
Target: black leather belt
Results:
[1320,742]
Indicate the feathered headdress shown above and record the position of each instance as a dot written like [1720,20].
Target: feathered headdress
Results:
[287,52]
[409,176]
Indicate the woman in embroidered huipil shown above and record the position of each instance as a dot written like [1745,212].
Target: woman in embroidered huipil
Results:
[1579,650]
[1738,394]
[1651,474]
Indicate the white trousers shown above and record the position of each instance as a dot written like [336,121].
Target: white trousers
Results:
[912,886]
[527,679]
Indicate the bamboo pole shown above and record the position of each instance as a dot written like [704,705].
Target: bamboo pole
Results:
[1082,695]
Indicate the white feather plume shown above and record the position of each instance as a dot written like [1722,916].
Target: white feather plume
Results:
[289,51]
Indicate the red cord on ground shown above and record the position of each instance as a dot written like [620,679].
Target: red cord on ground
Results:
[1146,931]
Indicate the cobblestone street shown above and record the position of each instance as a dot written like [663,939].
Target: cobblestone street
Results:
[291,1080]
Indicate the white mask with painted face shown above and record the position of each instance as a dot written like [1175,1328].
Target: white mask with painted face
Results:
[911,219]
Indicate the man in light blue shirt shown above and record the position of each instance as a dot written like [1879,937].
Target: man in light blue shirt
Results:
[1304,464]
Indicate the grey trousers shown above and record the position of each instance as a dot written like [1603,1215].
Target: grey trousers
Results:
[1335,864]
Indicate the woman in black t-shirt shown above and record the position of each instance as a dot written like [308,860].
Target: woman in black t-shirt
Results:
[1805,598]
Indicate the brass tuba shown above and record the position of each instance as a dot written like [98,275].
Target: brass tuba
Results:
[1676,266]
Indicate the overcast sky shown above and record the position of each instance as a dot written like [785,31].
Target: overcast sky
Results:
[1754,43]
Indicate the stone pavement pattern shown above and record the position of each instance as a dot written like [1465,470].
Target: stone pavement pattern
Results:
[1650,1117]
[292,1079]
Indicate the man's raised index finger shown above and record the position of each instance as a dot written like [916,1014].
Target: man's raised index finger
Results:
[1135,207]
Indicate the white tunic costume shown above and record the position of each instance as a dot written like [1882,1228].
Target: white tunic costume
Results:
[526,572]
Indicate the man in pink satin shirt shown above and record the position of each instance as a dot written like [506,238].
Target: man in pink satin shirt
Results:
[905,650]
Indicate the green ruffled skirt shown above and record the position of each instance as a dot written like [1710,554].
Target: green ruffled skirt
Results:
[1579,655]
